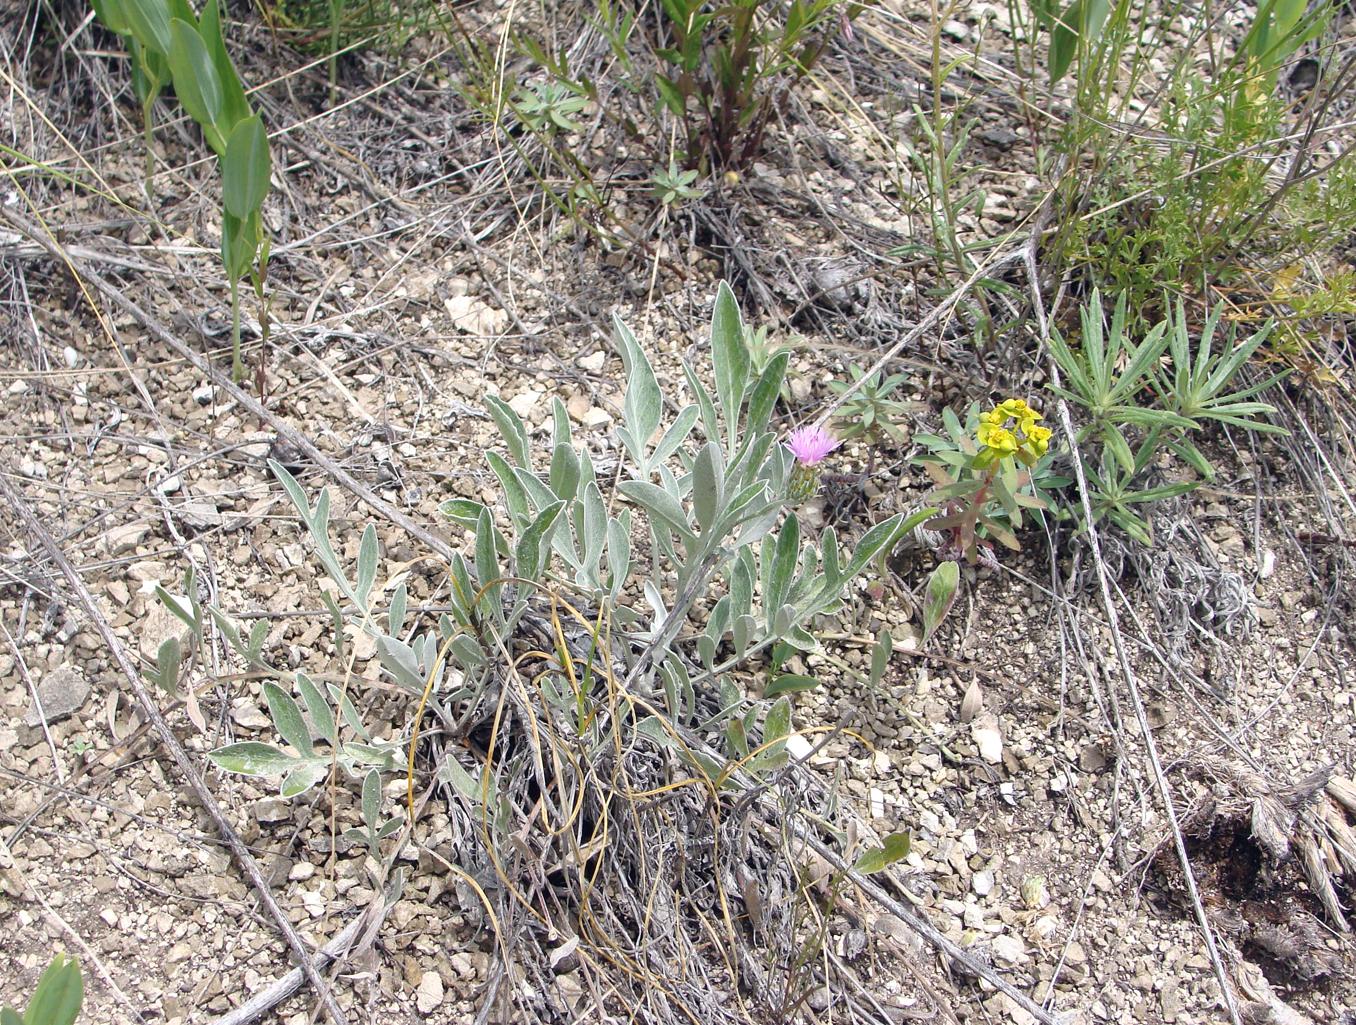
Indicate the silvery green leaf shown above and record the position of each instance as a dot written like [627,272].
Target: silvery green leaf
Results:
[652,727]
[658,502]
[303,777]
[766,391]
[877,859]
[560,425]
[345,705]
[382,756]
[511,428]
[533,549]
[252,759]
[708,485]
[873,542]
[287,718]
[705,407]
[736,740]
[565,472]
[487,564]
[395,616]
[168,659]
[730,359]
[675,435]
[833,573]
[880,657]
[320,535]
[618,554]
[398,659]
[452,773]
[179,606]
[782,565]
[318,708]
[706,651]
[539,493]
[254,647]
[789,683]
[643,404]
[595,529]
[784,620]
[229,631]
[371,798]
[515,495]
[467,651]
[741,583]
[745,627]
[656,601]
[719,620]
[941,592]
[367,564]
[776,728]
[463,591]
[293,489]
[389,826]
[462,511]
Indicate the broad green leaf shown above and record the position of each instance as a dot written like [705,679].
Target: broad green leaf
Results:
[113,15]
[894,848]
[511,428]
[245,168]
[197,85]
[367,564]
[876,539]
[565,472]
[9,1016]
[59,993]
[533,548]
[766,391]
[789,683]
[730,359]
[318,708]
[371,798]
[252,758]
[235,106]
[167,662]
[150,23]
[941,592]
[708,485]
[303,777]
[643,404]
[287,718]
[659,503]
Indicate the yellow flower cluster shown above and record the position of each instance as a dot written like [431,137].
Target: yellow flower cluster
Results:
[1010,428]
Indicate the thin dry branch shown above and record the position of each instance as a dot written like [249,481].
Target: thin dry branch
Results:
[1131,681]
[118,651]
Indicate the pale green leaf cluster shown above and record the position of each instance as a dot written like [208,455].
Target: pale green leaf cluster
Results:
[698,521]
[169,43]
[1147,398]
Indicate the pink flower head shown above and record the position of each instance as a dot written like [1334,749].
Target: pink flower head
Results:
[810,444]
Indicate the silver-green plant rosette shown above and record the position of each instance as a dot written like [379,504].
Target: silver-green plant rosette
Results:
[583,702]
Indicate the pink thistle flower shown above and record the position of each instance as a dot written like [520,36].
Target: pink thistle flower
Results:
[810,444]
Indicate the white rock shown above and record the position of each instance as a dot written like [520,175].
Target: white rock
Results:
[18,387]
[202,395]
[798,747]
[1008,948]
[593,362]
[988,737]
[71,357]
[982,883]
[430,992]
[524,402]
